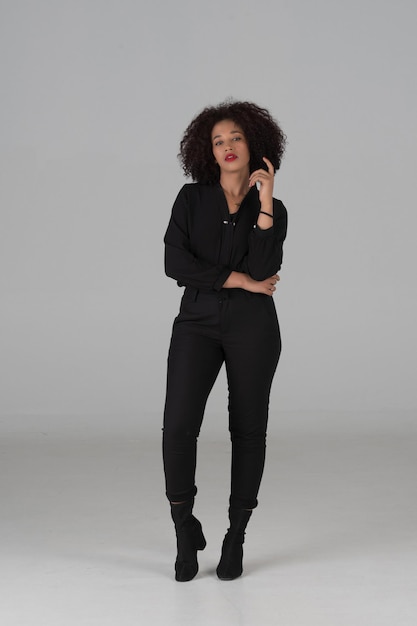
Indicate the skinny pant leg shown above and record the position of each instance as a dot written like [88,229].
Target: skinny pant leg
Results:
[250,366]
[194,361]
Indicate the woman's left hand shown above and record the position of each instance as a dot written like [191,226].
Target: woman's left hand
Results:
[266,179]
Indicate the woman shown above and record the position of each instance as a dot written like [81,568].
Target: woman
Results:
[224,245]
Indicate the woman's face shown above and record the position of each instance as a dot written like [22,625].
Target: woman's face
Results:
[230,147]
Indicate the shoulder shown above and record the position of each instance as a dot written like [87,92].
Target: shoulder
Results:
[199,189]
[196,192]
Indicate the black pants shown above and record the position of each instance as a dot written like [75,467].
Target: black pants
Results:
[240,329]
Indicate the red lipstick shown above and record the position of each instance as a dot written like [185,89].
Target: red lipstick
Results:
[230,157]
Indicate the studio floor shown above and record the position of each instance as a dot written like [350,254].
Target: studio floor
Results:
[86,537]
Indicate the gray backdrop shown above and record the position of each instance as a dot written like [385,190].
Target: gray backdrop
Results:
[95,97]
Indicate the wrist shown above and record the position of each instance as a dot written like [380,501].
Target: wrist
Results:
[268,206]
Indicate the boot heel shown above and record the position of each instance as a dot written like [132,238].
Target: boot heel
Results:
[200,540]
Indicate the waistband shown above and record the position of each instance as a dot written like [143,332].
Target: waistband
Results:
[192,293]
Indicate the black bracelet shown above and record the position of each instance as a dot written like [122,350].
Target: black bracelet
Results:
[268,214]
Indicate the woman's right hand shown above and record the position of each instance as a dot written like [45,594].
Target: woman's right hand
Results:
[266,286]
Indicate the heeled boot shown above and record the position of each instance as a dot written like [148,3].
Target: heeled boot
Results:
[230,565]
[190,538]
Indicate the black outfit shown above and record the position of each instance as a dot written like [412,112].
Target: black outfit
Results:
[216,325]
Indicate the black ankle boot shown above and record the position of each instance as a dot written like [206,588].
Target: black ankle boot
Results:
[230,565]
[190,538]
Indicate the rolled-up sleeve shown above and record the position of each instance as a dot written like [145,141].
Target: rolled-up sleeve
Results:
[265,247]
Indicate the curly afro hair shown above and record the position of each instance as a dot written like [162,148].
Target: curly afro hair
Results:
[264,137]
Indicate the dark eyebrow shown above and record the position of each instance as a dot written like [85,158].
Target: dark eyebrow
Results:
[231,132]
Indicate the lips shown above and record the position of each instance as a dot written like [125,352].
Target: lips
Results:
[230,157]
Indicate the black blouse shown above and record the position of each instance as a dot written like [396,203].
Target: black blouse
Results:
[202,245]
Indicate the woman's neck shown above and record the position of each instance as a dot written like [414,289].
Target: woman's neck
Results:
[235,185]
